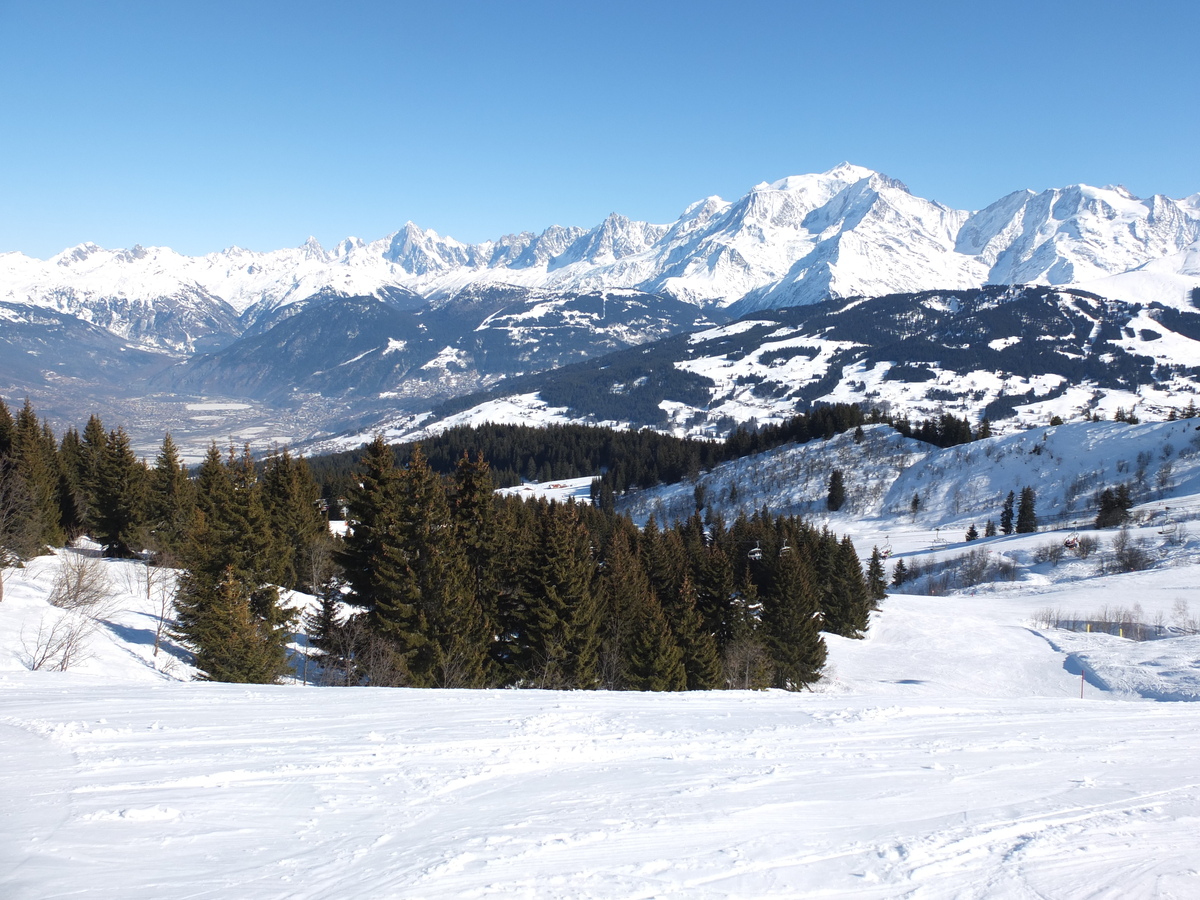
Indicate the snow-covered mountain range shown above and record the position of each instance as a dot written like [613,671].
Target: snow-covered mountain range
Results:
[345,336]
[848,231]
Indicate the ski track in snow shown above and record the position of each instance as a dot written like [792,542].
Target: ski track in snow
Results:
[222,791]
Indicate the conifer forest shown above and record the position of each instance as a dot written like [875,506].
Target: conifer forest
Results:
[439,581]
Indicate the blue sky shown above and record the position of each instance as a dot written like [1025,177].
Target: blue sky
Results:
[199,126]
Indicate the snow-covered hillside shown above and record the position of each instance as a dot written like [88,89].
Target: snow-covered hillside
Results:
[970,746]
[1067,465]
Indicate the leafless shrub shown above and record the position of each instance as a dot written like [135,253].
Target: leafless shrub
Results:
[1178,536]
[1050,617]
[59,643]
[973,568]
[937,578]
[81,584]
[1182,619]
[353,655]
[1052,552]
[747,665]
[1130,555]
[1120,621]
[1085,546]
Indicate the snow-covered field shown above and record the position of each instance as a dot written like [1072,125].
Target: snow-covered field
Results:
[949,754]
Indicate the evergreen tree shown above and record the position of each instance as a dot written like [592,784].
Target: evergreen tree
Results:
[231,559]
[972,533]
[8,431]
[899,573]
[1026,512]
[120,498]
[429,610]
[837,491]
[989,530]
[701,656]
[713,575]
[1006,513]
[654,661]
[792,617]
[170,503]
[232,643]
[35,452]
[563,622]
[92,452]
[876,578]
[476,518]
[627,598]
[290,496]
[72,504]
[1114,507]
[746,662]
[847,603]
[373,523]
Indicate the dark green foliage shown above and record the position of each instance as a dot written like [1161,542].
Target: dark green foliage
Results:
[626,459]
[233,643]
[847,601]
[876,577]
[232,560]
[972,533]
[119,514]
[989,530]
[404,564]
[8,431]
[899,573]
[1006,513]
[1027,512]
[563,631]
[170,505]
[655,662]
[35,452]
[837,491]
[792,619]
[290,496]
[454,586]
[1114,507]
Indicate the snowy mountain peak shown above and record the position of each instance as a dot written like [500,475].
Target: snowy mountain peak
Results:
[78,253]
[313,250]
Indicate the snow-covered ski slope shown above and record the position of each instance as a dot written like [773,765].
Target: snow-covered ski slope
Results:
[947,755]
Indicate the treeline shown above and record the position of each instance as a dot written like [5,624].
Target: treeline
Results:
[454,586]
[628,459]
[826,420]
[519,453]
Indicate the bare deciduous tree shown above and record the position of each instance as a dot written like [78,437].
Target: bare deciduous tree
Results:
[59,643]
[81,584]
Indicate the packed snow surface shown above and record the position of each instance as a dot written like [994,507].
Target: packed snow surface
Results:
[948,754]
